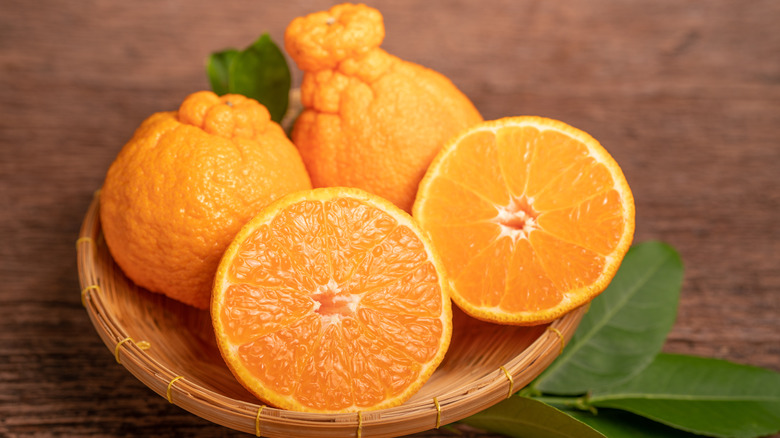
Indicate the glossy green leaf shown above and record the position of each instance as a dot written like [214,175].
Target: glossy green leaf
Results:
[261,72]
[522,417]
[218,70]
[702,395]
[620,424]
[625,327]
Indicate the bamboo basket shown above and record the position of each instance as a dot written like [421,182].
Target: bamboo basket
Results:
[170,347]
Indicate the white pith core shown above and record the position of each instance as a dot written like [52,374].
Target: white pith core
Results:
[517,219]
[332,304]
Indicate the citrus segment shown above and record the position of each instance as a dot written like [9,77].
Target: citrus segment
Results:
[357,229]
[279,375]
[532,289]
[330,300]
[604,209]
[531,218]
[515,145]
[385,263]
[251,312]
[264,262]
[416,336]
[570,266]
[472,208]
[415,294]
[481,280]
[299,230]
[475,165]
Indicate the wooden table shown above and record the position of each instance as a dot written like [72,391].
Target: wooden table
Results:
[684,94]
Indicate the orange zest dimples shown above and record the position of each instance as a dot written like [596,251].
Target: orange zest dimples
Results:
[530,216]
[331,301]
[371,120]
[185,183]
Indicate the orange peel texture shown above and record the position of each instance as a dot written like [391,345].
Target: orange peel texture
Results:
[371,120]
[186,182]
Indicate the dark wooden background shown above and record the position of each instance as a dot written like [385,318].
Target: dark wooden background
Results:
[685,94]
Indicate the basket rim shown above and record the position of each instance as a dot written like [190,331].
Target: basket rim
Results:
[410,417]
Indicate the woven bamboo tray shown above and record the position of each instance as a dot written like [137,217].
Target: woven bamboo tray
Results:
[170,347]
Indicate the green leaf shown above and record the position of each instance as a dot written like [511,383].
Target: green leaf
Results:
[522,417]
[620,424]
[218,70]
[701,395]
[625,327]
[261,72]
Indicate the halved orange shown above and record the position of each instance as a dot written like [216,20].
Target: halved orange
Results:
[530,216]
[331,300]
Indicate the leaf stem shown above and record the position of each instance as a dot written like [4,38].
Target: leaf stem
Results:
[581,403]
[530,392]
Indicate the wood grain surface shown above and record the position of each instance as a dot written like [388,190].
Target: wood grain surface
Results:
[684,94]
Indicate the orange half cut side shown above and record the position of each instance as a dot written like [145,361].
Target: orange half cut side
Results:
[330,300]
[530,216]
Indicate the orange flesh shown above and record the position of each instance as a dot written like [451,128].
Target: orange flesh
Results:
[333,305]
[536,200]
